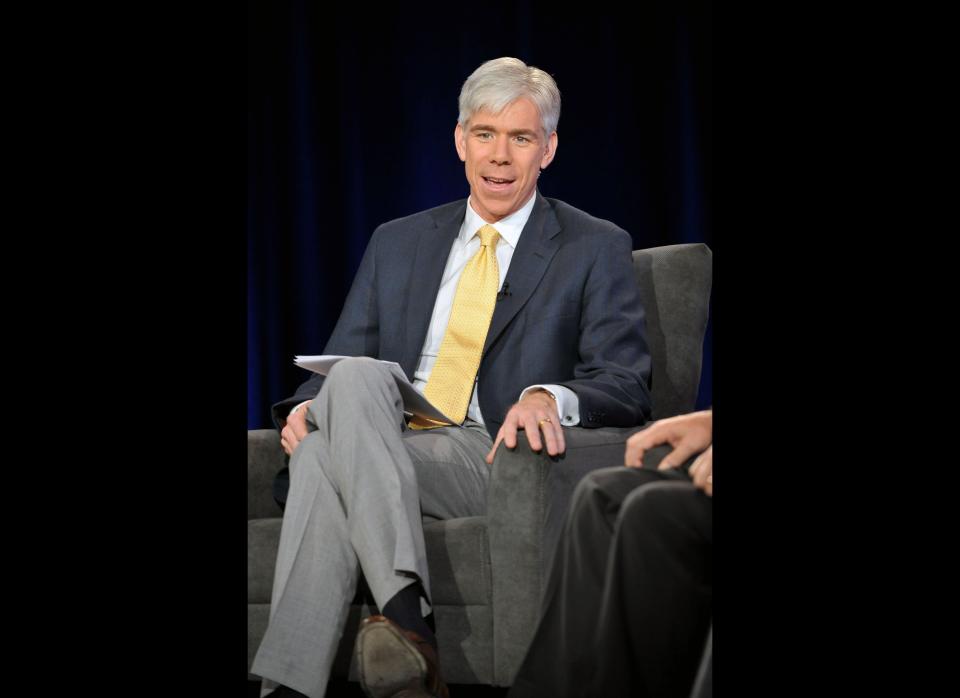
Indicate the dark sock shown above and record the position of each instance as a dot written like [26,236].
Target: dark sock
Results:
[285,692]
[404,610]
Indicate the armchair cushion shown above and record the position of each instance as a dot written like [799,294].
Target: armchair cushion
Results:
[265,458]
[675,282]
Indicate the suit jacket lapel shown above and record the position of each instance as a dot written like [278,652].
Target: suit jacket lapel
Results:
[430,258]
[528,265]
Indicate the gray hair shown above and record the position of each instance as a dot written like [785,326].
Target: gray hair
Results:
[498,83]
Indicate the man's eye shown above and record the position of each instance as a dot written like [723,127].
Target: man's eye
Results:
[522,139]
[483,136]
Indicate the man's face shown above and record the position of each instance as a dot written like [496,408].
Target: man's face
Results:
[503,155]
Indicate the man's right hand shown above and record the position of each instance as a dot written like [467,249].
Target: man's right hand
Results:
[295,429]
[702,471]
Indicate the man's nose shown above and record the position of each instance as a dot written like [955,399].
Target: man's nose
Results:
[501,152]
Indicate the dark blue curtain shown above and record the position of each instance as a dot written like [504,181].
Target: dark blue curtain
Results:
[350,124]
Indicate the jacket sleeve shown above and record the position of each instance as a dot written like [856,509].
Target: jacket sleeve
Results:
[611,377]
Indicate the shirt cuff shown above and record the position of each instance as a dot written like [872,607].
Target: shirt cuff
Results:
[568,404]
[296,407]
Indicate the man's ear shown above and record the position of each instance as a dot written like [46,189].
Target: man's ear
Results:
[550,152]
[459,142]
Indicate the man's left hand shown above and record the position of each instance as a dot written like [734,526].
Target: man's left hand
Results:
[535,413]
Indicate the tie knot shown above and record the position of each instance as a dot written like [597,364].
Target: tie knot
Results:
[488,236]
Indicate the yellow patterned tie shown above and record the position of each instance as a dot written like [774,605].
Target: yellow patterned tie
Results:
[451,382]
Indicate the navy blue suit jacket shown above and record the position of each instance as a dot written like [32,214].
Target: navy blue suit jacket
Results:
[572,315]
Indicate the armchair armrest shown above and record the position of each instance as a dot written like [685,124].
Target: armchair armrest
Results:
[265,458]
[527,500]
[516,507]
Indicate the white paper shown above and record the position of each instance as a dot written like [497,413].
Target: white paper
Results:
[414,402]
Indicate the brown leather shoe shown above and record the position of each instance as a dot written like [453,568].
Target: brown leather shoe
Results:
[395,662]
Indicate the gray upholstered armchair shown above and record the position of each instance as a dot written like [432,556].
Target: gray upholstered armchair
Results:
[488,572]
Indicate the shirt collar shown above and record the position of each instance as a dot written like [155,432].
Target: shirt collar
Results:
[509,227]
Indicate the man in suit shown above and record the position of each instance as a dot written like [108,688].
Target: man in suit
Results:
[508,311]
[629,599]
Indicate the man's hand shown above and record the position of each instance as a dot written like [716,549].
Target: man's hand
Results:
[702,471]
[688,434]
[294,430]
[535,413]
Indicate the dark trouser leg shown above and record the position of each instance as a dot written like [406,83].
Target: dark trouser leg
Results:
[562,655]
[657,604]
